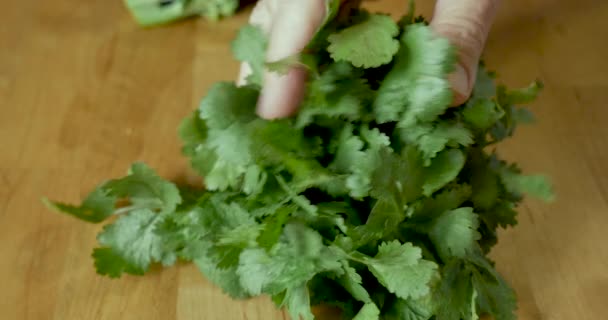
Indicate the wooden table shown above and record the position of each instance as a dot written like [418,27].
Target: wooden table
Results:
[84,92]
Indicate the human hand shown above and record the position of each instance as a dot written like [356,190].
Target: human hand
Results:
[291,25]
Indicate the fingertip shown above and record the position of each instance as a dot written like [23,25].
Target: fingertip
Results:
[461,83]
[281,94]
[466,25]
[294,25]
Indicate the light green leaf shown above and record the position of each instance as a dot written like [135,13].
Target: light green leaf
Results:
[338,93]
[226,104]
[227,278]
[369,311]
[296,259]
[297,302]
[400,268]
[482,113]
[225,156]
[432,139]
[455,233]
[519,96]
[132,237]
[250,46]
[534,185]
[416,88]
[351,158]
[351,281]
[443,169]
[370,43]
[145,189]
[95,208]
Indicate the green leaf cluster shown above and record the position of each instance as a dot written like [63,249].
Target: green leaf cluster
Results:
[376,198]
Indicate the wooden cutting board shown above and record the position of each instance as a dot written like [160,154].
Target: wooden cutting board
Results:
[84,92]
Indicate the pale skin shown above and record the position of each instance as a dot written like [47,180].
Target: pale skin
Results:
[291,24]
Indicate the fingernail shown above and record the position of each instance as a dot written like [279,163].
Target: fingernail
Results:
[459,80]
[281,94]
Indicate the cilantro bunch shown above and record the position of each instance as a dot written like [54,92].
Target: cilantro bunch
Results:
[157,12]
[376,198]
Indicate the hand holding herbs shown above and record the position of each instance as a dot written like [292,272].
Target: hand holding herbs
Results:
[376,198]
[290,25]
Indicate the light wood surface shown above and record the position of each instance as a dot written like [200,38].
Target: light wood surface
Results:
[84,92]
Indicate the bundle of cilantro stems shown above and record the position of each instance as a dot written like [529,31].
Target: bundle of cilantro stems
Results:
[376,198]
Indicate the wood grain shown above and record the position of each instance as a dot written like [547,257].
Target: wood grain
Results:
[84,92]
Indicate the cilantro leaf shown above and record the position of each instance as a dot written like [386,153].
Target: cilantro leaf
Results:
[416,88]
[485,87]
[443,169]
[297,301]
[454,292]
[428,209]
[534,185]
[279,144]
[482,114]
[274,227]
[454,233]
[398,178]
[432,139]
[113,265]
[95,208]
[193,132]
[142,187]
[338,92]
[352,282]
[519,96]
[145,189]
[250,46]
[225,155]
[352,158]
[227,279]
[485,184]
[494,296]
[396,182]
[410,309]
[369,311]
[502,214]
[132,237]
[348,151]
[353,43]
[296,259]
[400,268]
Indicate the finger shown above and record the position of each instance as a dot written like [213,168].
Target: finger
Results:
[294,25]
[466,23]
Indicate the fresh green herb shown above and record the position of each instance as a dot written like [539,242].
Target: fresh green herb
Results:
[377,197]
[158,12]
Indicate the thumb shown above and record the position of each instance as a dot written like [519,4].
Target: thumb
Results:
[466,24]
[294,24]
